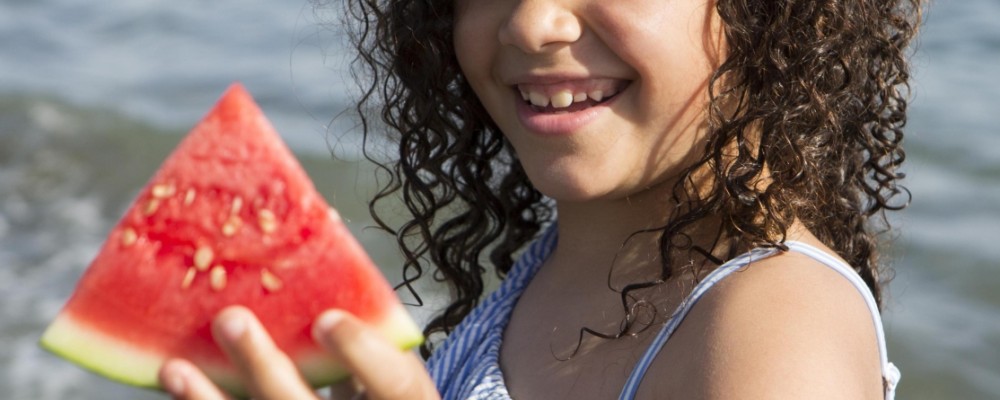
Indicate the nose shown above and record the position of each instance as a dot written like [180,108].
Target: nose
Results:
[534,26]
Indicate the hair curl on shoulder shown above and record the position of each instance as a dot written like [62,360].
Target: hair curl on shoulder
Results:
[812,95]
[825,85]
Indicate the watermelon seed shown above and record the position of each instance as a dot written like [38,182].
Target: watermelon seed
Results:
[334,215]
[268,222]
[217,278]
[237,205]
[128,237]
[151,206]
[188,277]
[203,258]
[189,197]
[163,190]
[231,226]
[269,281]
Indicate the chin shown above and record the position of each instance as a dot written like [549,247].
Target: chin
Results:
[571,190]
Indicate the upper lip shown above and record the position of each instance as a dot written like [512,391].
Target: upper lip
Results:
[550,78]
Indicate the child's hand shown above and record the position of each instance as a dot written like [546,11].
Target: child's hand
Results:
[382,369]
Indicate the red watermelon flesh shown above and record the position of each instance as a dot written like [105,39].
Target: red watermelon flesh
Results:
[230,218]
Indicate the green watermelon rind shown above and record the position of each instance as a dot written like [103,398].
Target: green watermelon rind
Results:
[94,351]
[123,362]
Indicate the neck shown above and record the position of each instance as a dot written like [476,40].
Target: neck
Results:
[600,226]
[623,233]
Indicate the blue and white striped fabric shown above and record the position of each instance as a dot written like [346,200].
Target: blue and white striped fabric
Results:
[467,364]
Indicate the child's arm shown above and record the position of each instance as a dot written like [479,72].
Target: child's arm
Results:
[383,370]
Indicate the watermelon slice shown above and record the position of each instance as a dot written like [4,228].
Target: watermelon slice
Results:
[230,218]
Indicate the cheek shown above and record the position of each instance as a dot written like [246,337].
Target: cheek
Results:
[473,47]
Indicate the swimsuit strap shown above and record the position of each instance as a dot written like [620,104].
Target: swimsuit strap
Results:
[889,372]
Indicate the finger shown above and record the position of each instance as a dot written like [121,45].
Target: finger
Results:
[265,370]
[386,372]
[184,381]
[346,389]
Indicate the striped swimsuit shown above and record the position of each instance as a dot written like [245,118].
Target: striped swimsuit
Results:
[467,364]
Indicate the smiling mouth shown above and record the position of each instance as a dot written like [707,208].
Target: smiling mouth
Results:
[569,97]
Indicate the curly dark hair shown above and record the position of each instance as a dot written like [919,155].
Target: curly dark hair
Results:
[811,96]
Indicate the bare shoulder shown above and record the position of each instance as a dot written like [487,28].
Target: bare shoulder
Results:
[783,327]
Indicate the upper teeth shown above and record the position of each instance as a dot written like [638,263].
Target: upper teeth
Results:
[562,98]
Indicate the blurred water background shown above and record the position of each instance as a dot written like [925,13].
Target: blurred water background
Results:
[94,94]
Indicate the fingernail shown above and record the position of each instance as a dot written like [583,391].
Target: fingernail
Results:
[174,376]
[325,323]
[234,325]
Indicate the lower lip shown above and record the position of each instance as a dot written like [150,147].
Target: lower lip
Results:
[558,124]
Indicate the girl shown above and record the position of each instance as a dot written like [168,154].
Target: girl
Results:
[693,192]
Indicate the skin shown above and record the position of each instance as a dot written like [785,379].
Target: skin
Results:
[786,327]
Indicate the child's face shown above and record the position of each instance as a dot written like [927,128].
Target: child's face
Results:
[649,59]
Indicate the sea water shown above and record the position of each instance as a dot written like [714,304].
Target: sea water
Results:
[94,94]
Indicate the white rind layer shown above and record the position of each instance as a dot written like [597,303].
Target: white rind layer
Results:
[95,351]
[120,361]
